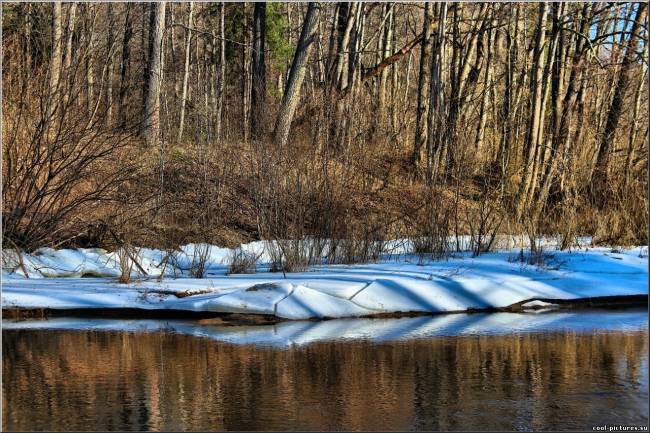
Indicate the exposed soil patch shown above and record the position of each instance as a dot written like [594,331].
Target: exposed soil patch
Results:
[607,302]
[204,317]
[183,294]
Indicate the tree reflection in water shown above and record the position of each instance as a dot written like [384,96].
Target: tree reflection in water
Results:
[75,380]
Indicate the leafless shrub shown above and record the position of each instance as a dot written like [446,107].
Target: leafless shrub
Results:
[283,194]
[242,262]
[58,163]
[537,257]
[169,257]
[12,260]
[520,257]
[124,257]
[432,229]
[484,221]
[200,260]
[567,221]
[289,255]
[364,249]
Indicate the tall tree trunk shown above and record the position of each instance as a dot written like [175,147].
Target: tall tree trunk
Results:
[487,88]
[110,43]
[55,61]
[507,104]
[90,55]
[607,139]
[258,96]
[144,51]
[172,51]
[151,122]
[437,109]
[245,79]
[634,129]
[72,11]
[422,111]
[394,82]
[222,70]
[343,46]
[126,62]
[296,75]
[385,47]
[461,79]
[550,83]
[186,70]
[556,139]
[27,36]
[536,111]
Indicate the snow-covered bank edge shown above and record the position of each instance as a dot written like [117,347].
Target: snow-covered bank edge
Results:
[393,286]
[98,262]
[534,306]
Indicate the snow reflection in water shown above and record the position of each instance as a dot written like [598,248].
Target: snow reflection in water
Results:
[304,332]
[454,372]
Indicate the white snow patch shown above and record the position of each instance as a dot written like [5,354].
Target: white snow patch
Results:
[538,304]
[395,284]
[305,303]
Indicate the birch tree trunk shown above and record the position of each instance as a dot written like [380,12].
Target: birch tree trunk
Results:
[487,88]
[296,75]
[26,45]
[186,71]
[72,11]
[385,47]
[55,62]
[536,111]
[90,42]
[110,43]
[151,122]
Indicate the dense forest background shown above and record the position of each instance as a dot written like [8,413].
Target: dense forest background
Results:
[160,124]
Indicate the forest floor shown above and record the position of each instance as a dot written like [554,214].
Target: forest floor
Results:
[85,280]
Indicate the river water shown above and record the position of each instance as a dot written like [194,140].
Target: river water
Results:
[552,371]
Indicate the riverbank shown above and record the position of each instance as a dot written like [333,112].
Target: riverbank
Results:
[604,303]
[397,285]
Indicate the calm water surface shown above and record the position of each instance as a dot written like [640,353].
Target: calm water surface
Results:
[567,377]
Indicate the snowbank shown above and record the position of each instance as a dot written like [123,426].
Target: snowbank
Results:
[58,280]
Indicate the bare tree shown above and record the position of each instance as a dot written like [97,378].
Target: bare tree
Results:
[222,69]
[296,75]
[615,108]
[125,62]
[186,70]
[151,115]
[258,96]
[55,60]
[422,110]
